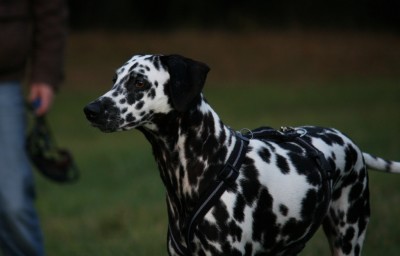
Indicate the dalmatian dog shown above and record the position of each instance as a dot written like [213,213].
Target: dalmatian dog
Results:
[281,193]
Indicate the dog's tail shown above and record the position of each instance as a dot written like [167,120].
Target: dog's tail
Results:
[380,164]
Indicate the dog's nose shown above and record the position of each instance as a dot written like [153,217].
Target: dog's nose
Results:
[92,110]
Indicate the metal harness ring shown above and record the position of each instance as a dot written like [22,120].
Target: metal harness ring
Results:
[246,131]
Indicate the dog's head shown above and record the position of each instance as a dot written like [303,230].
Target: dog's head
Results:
[145,86]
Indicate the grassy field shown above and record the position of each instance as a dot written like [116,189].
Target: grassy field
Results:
[118,206]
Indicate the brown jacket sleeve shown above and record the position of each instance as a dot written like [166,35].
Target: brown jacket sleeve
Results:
[49,35]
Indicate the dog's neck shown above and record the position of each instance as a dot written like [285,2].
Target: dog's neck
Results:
[190,149]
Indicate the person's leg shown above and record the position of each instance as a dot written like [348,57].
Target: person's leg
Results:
[20,232]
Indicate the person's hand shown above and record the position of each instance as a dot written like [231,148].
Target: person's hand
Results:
[45,94]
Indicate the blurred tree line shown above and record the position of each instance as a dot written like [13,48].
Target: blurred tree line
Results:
[235,14]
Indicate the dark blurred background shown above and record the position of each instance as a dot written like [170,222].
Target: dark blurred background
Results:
[275,63]
[293,42]
[235,14]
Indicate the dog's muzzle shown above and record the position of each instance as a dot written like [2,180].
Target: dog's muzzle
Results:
[93,111]
[103,114]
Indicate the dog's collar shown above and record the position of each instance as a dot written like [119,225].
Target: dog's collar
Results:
[224,179]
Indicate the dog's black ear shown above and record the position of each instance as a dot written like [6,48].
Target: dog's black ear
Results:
[187,78]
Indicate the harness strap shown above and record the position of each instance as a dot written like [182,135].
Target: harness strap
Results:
[225,177]
[287,134]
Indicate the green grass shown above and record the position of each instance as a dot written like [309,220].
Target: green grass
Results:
[118,206]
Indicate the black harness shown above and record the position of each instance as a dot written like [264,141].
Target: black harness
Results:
[230,172]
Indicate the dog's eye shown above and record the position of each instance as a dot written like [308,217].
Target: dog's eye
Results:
[139,84]
[136,82]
